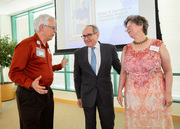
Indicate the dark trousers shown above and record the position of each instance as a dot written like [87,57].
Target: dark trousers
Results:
[36,111]
[106,115]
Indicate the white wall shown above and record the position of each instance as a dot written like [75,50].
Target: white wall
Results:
[5,28]
[5,25]
[169,15]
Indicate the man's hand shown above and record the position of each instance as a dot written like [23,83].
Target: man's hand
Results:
[79,103]
[35,85]
[64,62]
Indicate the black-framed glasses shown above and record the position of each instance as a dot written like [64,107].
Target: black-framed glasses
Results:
[88,35]
[53,27]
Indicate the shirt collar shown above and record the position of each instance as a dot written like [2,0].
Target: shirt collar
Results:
[97,46]
[38,39]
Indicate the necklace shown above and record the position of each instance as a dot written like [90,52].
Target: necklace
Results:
[139,43]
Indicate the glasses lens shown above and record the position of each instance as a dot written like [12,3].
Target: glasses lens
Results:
[89,35]
[54,28]
[128,25]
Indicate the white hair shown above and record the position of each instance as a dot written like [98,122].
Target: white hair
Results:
[41,19]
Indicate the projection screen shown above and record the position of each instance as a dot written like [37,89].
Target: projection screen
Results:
[107,15]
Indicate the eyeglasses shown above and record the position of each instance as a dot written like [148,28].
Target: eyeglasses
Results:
[53,27]
[88,35]
[127,26]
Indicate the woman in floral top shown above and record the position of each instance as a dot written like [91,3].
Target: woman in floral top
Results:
[148,92]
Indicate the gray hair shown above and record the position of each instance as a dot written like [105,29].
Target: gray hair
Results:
[41,19]
[94,27]
[138,20]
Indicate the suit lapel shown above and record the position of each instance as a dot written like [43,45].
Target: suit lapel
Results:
[85,54]
[103,56]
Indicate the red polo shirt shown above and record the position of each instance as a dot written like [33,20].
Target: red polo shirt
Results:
[30,60]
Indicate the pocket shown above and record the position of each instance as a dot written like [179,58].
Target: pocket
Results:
[39,60]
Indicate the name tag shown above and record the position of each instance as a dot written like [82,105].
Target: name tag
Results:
[154,48]
[40,52]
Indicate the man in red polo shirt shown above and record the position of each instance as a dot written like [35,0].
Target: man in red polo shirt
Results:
[31,68]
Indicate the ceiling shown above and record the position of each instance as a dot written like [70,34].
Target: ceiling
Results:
[10,7]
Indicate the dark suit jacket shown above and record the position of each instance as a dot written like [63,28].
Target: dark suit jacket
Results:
[87,83]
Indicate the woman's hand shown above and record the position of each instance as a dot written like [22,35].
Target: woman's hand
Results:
[120,99]
[168,100]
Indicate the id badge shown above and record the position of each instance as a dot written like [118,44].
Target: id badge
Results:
[40,52]
[154,48]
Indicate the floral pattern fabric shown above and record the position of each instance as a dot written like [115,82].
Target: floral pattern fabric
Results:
[144,89]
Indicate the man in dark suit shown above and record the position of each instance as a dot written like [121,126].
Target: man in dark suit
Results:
[93,80]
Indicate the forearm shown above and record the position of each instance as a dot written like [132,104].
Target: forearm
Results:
[166,66]
[168,100]
[18,65]
[122,79]
[57,67]
[116,61]
[20,78]
[168,82]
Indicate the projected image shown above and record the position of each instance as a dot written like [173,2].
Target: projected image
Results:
[80,11]
[108,15]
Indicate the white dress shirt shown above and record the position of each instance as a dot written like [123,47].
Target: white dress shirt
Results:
[98,56]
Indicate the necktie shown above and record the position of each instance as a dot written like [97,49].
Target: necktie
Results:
[93,60]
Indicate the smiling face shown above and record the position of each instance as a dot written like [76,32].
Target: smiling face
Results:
[91,40]
[133,30]
[49,32]
[82,4]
